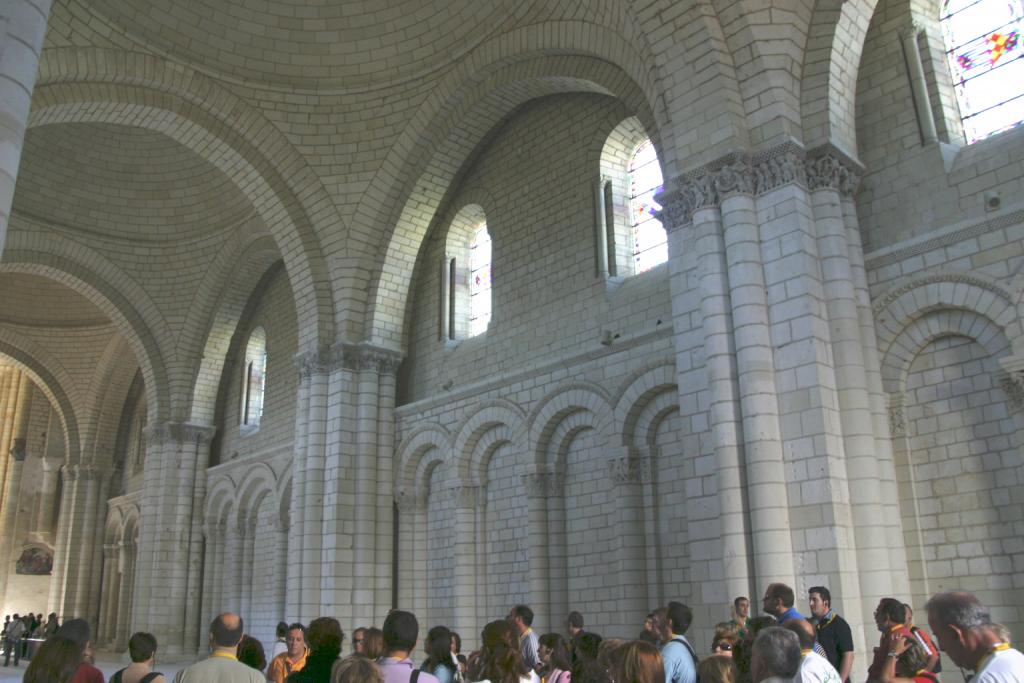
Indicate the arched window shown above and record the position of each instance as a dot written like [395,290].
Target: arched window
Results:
[986,59]
[466,275]
[254,379]
[479,281]
[650,246]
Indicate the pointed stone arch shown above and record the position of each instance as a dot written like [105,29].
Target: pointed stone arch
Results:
[93,85]
[52,379]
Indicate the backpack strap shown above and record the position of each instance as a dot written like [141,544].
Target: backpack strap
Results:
[686,644]
[151,676]
[415,676]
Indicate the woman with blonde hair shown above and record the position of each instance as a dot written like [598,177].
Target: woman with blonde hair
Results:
[636,661]
[717,669]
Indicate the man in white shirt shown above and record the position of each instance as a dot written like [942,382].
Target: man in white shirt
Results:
[965,631]
[813,667]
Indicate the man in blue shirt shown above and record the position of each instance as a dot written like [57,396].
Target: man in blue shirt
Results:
[677,654]
[778,601]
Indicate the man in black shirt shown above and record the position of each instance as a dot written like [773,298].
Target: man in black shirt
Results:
[833,633]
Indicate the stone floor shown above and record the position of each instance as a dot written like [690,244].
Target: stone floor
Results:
[107,663]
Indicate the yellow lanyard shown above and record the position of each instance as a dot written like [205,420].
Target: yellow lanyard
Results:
[990,654]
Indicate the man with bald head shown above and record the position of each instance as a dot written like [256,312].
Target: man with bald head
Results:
[222,666]
[813,667]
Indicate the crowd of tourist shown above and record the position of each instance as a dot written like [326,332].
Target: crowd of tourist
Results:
[781,647]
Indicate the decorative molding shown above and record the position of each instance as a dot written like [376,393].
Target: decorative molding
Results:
[543,484]
[912,29]
[895,254]
[19,450]
[741,173]
[178,433]
[891,295]
[363,356]
[629,469]
[311,363]
[410,502]
[1013,387]
[897,420]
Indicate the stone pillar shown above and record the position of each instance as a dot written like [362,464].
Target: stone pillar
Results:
[124,603]
[15,423]
[47,492]
[279,534]
[628,472]
[412,551]
[306,544]
[15,458]
[694,225]
[87,579]
[110,594]
[464,580]
[213,574]
[22,27]
[884,441]
[918,85]
[765,466]
[171,525]
[233,570]
[58,580]
[558,563]
[354,462]
[537,541]
[863,570]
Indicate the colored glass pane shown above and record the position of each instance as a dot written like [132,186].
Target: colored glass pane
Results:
[479,281]
[649,241]
[986,59]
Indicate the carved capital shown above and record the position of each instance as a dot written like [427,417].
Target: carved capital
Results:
[80,472]
[311,363]
[414,501]
[178,433]
[365,357]
[912,30]
[827,168]
[897,418]
[734,178]
[19,450]
[629,469]
[779,166]
[1013,387]
[543,484]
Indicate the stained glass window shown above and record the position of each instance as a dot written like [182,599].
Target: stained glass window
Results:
[479,281]
[986,59]
[254,383]
[650,246]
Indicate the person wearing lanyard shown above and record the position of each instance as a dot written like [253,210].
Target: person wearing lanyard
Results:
[966,632]
[833,632]
[222,666]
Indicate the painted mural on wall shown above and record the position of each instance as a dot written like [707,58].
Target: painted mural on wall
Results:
[35,562]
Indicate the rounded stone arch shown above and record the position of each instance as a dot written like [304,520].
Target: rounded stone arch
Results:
[130,527]
[903,304]
[258,482]
[52,379]
[429,443]
[647,398]
[255,268]
[935,324]
[828,85]
[96,85]
[283,495]
[114,529]
[493,424]
[579,406]
[86,272]
[110,385]
[221,501]
[483,89]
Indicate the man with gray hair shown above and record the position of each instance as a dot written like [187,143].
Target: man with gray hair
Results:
[775,657]
[964,629]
